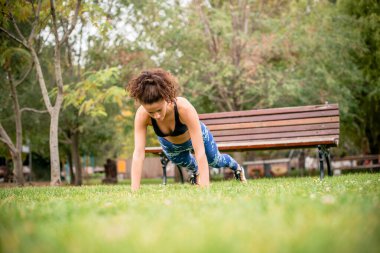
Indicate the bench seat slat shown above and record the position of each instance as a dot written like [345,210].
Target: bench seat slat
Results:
[302,139]
[277,135]
[153,150]
[268,111]
[334,119]
[281,143]
[280,129]
[287,116]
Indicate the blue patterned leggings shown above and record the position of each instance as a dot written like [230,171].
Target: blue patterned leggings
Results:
[180,154]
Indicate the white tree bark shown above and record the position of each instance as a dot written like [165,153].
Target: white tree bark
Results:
[55,178]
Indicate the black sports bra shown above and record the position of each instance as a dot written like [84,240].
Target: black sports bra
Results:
[179,127]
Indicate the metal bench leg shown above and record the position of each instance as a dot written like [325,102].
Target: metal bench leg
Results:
[164,162]
[328,161]
[180,174]
[320,154]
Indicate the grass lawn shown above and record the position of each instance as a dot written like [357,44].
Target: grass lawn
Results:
[339,214]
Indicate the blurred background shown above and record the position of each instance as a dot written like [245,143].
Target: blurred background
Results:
[227,56]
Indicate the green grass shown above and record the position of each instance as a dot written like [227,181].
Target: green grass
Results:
[339,214]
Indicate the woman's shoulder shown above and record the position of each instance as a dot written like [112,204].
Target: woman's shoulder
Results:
[184,106]
[182,102]
[142,115]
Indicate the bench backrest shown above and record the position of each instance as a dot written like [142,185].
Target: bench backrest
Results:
[290,127]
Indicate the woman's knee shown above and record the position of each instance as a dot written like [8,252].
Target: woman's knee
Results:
[214,160]
[183,161]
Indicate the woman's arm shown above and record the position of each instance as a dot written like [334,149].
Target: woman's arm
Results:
[139,151]
[189,117]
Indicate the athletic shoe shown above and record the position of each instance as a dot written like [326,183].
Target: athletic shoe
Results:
[240,174]
[194,178]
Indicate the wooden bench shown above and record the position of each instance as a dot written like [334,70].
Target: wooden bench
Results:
[278,128]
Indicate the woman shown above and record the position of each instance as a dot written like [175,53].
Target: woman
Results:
[179,131]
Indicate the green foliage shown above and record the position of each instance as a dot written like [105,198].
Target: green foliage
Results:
[339,214]
[98,89]
[95,108]
[365,105]
[14,58]
[99,16]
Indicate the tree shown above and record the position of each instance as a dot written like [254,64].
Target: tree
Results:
[20,13]
[15,61]
[93,129]
[98,98]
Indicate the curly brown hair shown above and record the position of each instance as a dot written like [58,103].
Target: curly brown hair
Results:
[153,85]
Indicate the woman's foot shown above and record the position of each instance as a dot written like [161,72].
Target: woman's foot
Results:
[240,174]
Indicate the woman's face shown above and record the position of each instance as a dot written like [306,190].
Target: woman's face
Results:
[157,110]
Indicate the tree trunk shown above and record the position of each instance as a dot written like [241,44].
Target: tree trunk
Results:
[16,155]
[17,165]
[372,132]
[54,155]
[54,117]
[53,111]
[70,160]
[76,157]
[55,178]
